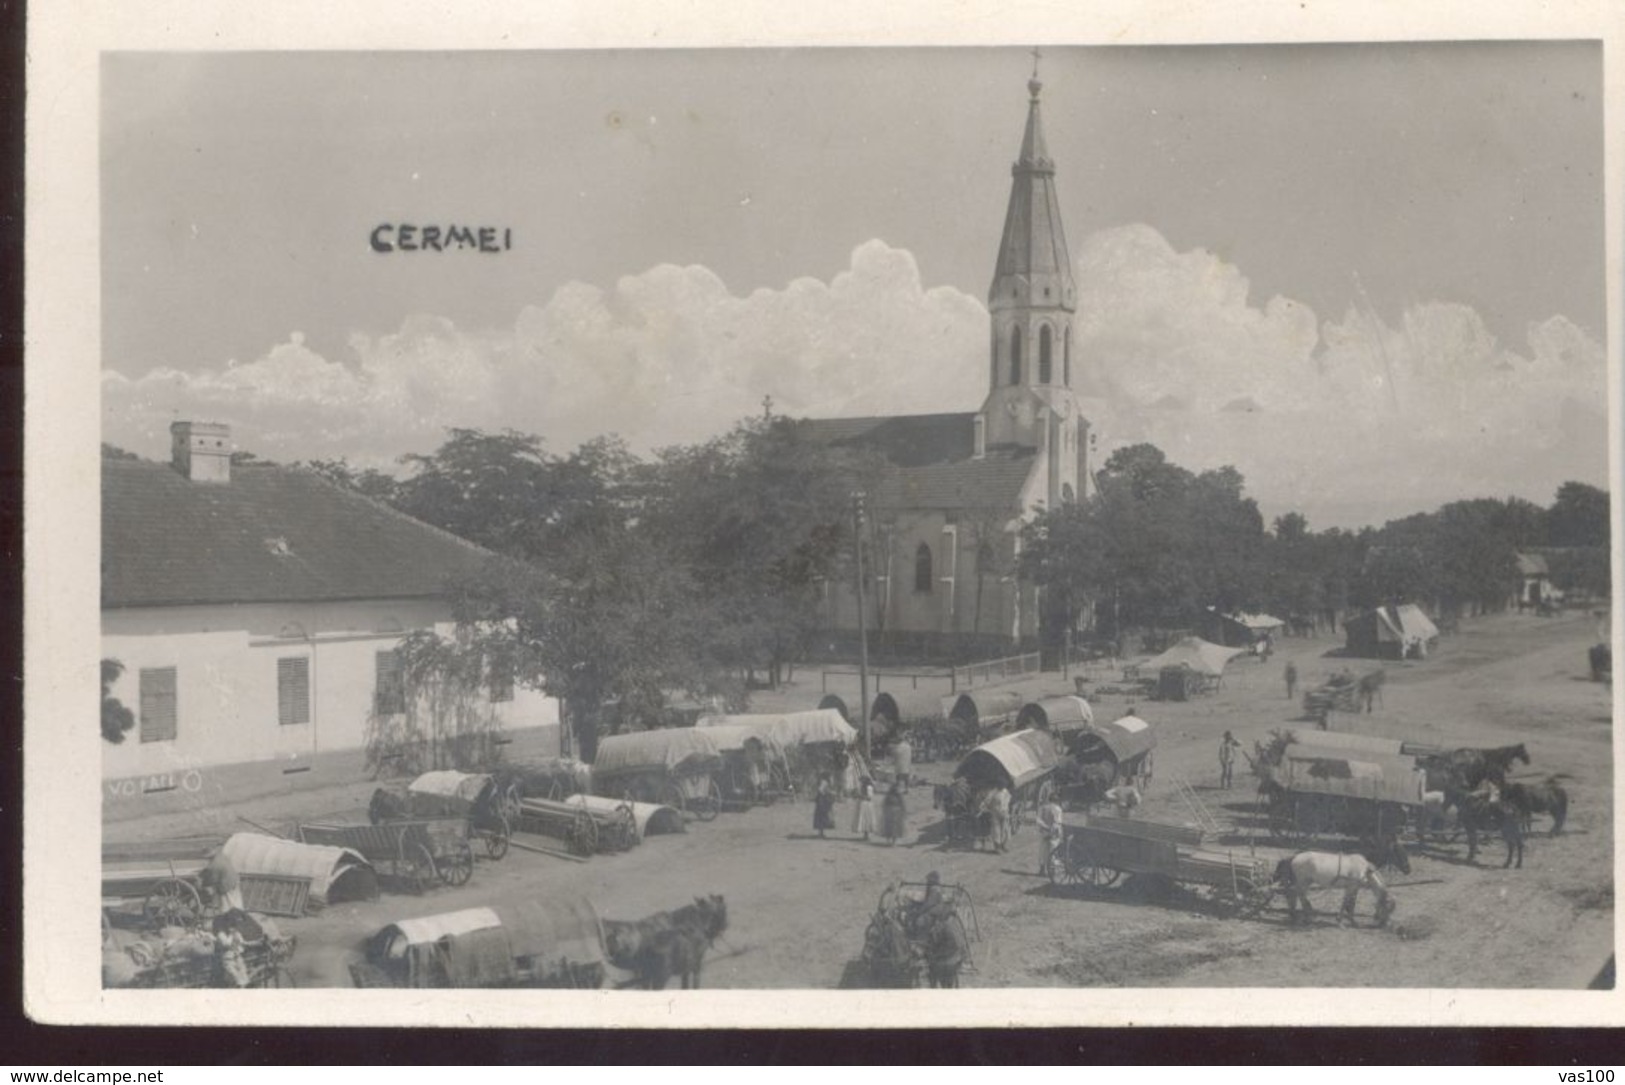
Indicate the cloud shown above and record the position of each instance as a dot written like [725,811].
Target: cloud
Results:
[1351,421]
[666,356]
[1348,420]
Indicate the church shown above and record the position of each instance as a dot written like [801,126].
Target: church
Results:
[943,529]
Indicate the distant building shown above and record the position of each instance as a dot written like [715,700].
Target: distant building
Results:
[1396,632]
[1534,580]
[949,512]
[256,610]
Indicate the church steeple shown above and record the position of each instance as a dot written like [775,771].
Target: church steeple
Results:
[1031,402]
[1034,268]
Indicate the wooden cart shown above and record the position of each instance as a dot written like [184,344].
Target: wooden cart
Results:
[1317,790]
[1097,851]
[675,767]
[419,853]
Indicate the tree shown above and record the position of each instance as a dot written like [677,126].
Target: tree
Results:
[117,720]
[114,452]
[1580,516]
[494,489]
[369,482]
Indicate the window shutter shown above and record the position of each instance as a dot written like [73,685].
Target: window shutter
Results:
[158,704]
[389,694]
[292,691]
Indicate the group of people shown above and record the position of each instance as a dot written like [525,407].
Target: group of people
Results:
[893,821]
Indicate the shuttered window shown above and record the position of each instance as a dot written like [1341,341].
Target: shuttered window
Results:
[389,692]
[158,704]
[292,691]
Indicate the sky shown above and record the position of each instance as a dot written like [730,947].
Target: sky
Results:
[1371,277]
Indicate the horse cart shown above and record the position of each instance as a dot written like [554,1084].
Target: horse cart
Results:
[162,892]
[754,767]
[588,824]
[677,767]
[554,940]
[809,745]
[1023,763]
[490,806]
[419,854]
[1319,789]
[906,933]
[1096,851]
[191,960]
[1341,693]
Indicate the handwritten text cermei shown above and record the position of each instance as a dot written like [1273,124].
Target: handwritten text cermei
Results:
[405,237]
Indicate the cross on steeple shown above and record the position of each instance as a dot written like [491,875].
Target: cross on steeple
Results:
[1037,55]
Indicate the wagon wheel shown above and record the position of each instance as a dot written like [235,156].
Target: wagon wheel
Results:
[709,806]
[583,834]
[457,869]
[1018,812]
[1063,867]
[1085,868]
[421,864]
[496,838]
[173,902]
[511,804]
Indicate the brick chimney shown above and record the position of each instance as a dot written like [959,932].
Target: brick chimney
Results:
[201,451]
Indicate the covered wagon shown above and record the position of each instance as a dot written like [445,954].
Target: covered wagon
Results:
[1123,746]
[1024,763]
[554,940]
[813,744]
[675,766]
[987,711]
[1316,790]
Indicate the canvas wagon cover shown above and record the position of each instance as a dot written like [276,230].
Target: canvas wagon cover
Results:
[1017,760]
[432,928]
[253,854]
[899,705]
[734,736]
[1201,656]
[651,818]
[984,708]
[446,784]
[1126,738]
[791,728]
[1361,776]
[1069,713]
[660,751]
[554,928]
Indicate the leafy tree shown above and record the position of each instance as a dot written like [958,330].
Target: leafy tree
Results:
[114,452]
[117,720]
[494,489]
[370,481]
[1580,516]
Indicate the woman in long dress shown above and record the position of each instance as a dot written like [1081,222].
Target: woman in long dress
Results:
[863,817]
[823,808]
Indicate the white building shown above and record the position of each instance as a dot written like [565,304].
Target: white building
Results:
[255,610]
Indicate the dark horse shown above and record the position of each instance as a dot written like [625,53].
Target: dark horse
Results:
[1460,773]
[1297,875]
[1546,797]
[667,944]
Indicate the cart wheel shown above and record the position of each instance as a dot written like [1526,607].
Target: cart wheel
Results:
[583,834]
[174,902]
[707,808]
[496,839]
[1092,873]
[424,873]
[1063,866]
[511,804]
[458,868]
[1018,812]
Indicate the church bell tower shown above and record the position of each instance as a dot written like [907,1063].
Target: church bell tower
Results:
[1031,303]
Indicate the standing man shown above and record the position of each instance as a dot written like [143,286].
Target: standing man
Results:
[902,759]
[1050,818]
[998,805]
[1291,678]
[1227,759]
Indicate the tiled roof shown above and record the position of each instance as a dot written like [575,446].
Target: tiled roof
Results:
[270,534]
[932,460]
[908,440]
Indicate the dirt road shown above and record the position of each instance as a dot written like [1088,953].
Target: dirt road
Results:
[799,905]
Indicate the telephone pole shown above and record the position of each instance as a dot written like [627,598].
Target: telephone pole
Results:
[863,619]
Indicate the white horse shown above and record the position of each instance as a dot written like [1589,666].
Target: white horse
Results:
[1310,870]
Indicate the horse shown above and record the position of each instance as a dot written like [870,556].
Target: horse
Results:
[1546,797]
[1487,807]
[1477,765]
[1370,687]
[680,950]
[1299,874]
[961,811]
[945,953]
[624,941]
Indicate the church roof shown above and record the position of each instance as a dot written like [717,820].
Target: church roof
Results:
[932,460]
[1033,244]
[270,534]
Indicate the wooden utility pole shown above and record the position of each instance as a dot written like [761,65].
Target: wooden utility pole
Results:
[863,620]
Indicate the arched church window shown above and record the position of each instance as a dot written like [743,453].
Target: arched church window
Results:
[922,568]
[1044,369]
[1015,355]
[1066,357]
